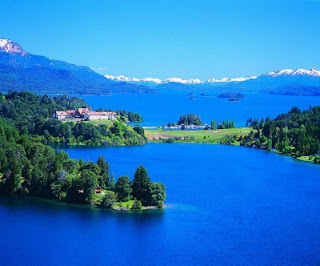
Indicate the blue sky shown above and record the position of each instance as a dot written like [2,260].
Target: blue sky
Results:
[167,38]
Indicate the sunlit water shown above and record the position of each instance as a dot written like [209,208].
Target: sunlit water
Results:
[227,205]
[159,109]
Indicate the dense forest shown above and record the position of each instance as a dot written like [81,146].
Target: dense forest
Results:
[296,133]
[29,167]
[32,114]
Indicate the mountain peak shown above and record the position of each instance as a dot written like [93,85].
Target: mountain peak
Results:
[298,72]
[9,46]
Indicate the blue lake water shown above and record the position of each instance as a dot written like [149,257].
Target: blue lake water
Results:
[227,205]
[159,109]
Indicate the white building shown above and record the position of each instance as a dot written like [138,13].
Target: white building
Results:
[89,116]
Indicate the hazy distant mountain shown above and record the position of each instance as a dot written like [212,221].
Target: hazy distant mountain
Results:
[20,70]
[286,81]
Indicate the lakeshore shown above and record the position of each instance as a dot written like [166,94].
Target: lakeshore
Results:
[194,136]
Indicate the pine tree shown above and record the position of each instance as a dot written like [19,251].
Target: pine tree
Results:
[141,186]
[104,179]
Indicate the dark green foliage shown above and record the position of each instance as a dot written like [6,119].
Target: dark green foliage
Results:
[123,189]
[158,194]
[226,124]
[141,186]
[29,167]
[190,119]
[104,178]
[213,125]
[296,132]
[32,114]
[149,193]
[109,200]
[132,117]
[137,205]
[139,129]
[228,140]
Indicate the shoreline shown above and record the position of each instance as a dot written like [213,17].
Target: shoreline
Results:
[92,207]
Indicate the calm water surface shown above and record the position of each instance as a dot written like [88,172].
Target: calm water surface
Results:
[159,109]
[227,205]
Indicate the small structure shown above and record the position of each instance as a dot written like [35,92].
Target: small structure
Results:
[60,115]
[84,113]
[100,116]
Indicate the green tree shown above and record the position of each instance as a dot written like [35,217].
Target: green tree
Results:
[112,182]
[137,205]
[141,186]
[213,125]
[108,200]
[123,189]
[104,179]
[158,194]
[190,119]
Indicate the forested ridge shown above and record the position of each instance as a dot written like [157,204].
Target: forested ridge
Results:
[32,115]
[296,133]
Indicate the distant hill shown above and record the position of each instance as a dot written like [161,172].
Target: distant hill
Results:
[20,70]
[297,90]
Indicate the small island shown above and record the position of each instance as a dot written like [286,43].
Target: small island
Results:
[232,96]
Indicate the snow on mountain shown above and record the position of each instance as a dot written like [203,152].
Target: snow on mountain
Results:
[314,72]
[118,78]
[213,80]
[176,80]
[182,81]
[154,80]
[9,46]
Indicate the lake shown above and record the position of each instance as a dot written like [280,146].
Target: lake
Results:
[161,108]
[227,205]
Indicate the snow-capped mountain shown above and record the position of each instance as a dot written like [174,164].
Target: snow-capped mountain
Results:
[176,80]
[154,80]
[286,74]
[314,72]
[9,46]
[213,80]
[20,70]
[285,81]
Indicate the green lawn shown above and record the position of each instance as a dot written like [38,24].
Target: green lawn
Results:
[306,159]
[127,204]
[200,136]
[101,122]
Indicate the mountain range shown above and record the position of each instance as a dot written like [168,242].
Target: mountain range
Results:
[301,82]
[20,70]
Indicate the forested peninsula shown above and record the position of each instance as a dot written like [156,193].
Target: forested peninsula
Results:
[28,166]
[295,133]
